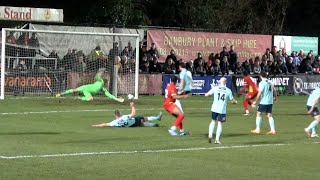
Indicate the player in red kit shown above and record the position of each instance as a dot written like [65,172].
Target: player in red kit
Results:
[252,90]
[170,106]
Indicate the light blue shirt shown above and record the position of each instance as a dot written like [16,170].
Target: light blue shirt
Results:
[266,89]
[313,96]
[187,77]
[221,95]
[123,121]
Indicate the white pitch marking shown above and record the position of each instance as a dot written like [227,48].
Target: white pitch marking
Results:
[136,152]
[84,110]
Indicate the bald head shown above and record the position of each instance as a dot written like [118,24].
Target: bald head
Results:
[223,81]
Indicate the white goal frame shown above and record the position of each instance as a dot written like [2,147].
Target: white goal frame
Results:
[3,50]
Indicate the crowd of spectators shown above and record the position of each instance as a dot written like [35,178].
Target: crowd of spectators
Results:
[226,62]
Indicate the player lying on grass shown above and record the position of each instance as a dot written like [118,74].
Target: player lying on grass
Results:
[221,95]
[131,120]
[312,108]
[89,89]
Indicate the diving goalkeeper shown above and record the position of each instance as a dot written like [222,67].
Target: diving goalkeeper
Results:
[90,89]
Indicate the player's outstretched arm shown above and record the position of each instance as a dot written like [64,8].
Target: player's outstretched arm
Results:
[102,125]
[180,96]
[275,94]
[209,93]
[106,92]
[133,109]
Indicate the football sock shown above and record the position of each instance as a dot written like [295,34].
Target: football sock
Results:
[219,131]
[271,123]
[245,105]
[85,98]
[147,124]
[153,118]
[173,128]
[181,127]
[178,120]
[258,123]
[314,130]
[70,91]
[313,124]
[211,128]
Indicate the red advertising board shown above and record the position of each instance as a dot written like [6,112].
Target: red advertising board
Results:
[188,44]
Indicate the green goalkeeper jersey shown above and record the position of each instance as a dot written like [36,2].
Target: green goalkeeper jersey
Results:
[95,87]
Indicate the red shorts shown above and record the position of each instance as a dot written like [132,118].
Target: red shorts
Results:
[170,107]
[251,95]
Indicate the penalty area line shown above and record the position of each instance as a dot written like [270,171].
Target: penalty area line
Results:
[138,151]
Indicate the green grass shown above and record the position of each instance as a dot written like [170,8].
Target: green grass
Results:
[243,156]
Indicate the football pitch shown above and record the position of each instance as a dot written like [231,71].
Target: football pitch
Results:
[52,138]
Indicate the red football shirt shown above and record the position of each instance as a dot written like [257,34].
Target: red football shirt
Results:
[169,92]
[250,85]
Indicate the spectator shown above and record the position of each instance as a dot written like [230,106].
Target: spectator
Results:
[251,64]
[246,66]
[282,66]
[264,66]
[292,67]
[51,63]
[275,54]
[125,66]
[11,50]
[190,67]
[131,51]
[95,59]
[153,50]
[224,66]
[216,67]
[316,68]
[200,67]
[224,53]
[144,68]
[209,68]
[301,55]
[34,45]
[267,56]
[305,65]
[23,50]
[256,67]
[233,58]
[275,68]
[238,69]
[132,64]
[295,58]
[312,56]
[21,66]
[169,67]
[68,60]
[211,58]
[173,56]
[154,66]
[196,61]
[117,64]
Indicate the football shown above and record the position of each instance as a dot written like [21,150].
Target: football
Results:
[130,96]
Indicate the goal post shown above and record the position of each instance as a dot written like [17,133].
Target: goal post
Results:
[45,62]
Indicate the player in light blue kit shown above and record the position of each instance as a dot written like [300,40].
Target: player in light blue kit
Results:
[221,94]
[185,83]
[131,120]
[312,108]
[267,93]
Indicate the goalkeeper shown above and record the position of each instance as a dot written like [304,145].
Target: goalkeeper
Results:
[90,89]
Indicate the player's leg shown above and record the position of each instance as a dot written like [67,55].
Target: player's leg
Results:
[221,119]
[313,125]
[175,111]
[261,109]
[86,96]
[69,91]
[153,118]
[178,103]
[212,125]
[246,104]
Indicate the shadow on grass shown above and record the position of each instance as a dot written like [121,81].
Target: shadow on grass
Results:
[263,142]
[229,135]
[30,133]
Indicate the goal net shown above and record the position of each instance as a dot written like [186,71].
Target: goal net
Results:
[43,63]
